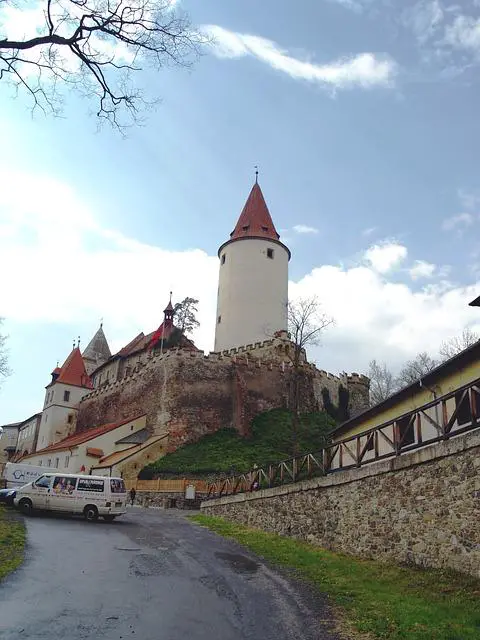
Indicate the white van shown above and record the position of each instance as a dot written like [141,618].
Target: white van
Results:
[91,496]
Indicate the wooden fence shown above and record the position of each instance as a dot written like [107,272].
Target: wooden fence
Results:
[168,486]
[443,418]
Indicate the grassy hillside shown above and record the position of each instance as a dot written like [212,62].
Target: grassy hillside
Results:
[225,450]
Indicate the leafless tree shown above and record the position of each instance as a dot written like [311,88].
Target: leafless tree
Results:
[450,348]
[95,47]
[415,369]
[382,382]
[306,322]
[4,369]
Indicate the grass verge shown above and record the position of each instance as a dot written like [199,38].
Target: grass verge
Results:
[380,600]
[12,541]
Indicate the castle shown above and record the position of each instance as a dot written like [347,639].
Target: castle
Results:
[173,393]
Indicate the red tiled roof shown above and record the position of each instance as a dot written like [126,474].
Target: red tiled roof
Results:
[56,371]
[255,220]
[79,438]
[94,452]
[73,371]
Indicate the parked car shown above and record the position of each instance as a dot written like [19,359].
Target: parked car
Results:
[7,496]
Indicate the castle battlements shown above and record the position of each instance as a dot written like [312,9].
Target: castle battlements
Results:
[244,357]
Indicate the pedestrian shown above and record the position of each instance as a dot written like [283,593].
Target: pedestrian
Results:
[133,493]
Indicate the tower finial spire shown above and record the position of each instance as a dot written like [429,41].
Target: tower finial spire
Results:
[256,174]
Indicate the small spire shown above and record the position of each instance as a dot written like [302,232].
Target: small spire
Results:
[101,323]
[73,347]
[78,343]
[256,174]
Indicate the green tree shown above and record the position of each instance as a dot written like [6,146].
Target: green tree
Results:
[185,315]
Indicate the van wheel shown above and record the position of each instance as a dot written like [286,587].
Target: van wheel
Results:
[91,513]
[109,518]
[26,506]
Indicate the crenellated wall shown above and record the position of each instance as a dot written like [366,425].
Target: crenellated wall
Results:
[189,394]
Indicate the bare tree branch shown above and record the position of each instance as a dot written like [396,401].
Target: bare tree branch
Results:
[4,369]
[94,46]
[452,347]
[382,382]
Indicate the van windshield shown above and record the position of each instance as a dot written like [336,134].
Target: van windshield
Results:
[43,482]
[117,486]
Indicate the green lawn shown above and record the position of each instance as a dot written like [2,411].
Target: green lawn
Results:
[12,541]
[270,441]
[381,601]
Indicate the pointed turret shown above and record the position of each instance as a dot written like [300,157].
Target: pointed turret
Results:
[97,351]
[164,331]
[73,371]
[253,282]
[255,220]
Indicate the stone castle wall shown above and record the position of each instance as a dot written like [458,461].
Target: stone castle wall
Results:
[189,394]
[420,508]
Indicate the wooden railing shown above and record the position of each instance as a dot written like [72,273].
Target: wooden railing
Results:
[168,486]
[443,418]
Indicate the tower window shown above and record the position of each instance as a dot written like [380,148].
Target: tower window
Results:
[223,259]
[66,396]
[219,319]
[270,254]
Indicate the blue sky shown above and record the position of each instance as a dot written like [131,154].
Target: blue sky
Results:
[363,119]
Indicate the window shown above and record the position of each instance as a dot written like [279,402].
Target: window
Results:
[219,319]
[371,443]
[57,460]
[406,432]
[43,482]
[67,460]
[464,415]
[45,417]
[223,259]
[246,227]
[40,463]
[64,485]
[66,396]
[49,462]
[265,229]
[117,486]
[270,254]
[70,418]
[90,484]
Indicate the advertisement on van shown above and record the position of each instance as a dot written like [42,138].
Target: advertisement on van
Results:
[17,474]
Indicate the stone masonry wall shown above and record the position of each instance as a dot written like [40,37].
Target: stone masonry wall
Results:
[188,395]
[420,508]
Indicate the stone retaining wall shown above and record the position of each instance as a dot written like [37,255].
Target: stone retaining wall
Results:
[420,508]
[164,499]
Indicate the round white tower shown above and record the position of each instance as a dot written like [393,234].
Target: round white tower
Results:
[253,281]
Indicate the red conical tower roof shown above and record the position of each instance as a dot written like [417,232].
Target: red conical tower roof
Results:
[255,220]
[73,371]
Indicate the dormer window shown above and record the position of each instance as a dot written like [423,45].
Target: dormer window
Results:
[265,229]
[246,227]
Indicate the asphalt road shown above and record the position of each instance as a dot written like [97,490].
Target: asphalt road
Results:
[151,575]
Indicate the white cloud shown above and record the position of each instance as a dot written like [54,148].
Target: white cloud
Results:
[362,70]
[459,221]
[386,256]
[464,33]
[64,267]
[422,269]
[353,5]
[469,199]
[303,228]
[424,18]
[366,233]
